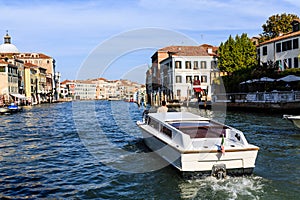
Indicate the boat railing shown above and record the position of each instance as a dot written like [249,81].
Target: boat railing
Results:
[271,97]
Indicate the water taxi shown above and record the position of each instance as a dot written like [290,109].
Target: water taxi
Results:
[192,143]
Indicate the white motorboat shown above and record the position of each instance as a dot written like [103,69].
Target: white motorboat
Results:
[294,118]
[196,144]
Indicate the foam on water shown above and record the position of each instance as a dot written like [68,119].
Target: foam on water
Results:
[229,188]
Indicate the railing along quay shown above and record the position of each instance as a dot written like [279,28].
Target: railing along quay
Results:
[280,100]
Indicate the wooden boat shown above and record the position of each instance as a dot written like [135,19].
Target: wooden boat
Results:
[294,118]
[196,144]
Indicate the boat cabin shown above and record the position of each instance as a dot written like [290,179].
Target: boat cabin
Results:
[198,127]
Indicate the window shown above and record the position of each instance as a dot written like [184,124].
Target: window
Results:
[178,65]
[295,43]
[296,62]
[265,51]
[166,131]
[278,47]
[196,65]
[196,78]
[203,79]
[188,65]
[289,45]
[290,63]
[214,64]
[178,93]
[203,64]
[188,79]
[2,69]
[178,79]
[153,123]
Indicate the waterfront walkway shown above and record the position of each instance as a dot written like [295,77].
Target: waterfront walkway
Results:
[279,100]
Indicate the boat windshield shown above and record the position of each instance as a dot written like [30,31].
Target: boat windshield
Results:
[200,129]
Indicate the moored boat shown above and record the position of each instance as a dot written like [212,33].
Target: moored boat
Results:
[196,144]
[14,108]
[294,118]
[4,110]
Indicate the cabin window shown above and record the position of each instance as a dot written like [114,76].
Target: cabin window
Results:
[166,131]
[153,123]
[201,130]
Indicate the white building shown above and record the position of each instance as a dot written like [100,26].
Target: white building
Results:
[186,72]
[282,50]
[85,90]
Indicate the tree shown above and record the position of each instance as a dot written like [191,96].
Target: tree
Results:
[236,54]
[276,25]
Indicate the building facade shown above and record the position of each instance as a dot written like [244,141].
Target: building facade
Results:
[284,51]
[36,80]
[85,90]
[184,73]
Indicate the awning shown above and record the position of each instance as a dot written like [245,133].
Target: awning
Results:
[19,96]
[198,89]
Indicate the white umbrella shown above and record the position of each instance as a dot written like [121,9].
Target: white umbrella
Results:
[289,78]
[266,79]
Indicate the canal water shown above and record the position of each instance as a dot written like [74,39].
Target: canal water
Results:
[93,150]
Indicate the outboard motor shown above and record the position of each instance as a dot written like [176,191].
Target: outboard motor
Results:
[219,171]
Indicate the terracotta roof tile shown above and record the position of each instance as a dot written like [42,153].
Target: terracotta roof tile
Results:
[201,50]
[282,37]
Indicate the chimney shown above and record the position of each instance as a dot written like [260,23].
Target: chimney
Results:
[209,50]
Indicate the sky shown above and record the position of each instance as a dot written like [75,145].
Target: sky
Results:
[115,39]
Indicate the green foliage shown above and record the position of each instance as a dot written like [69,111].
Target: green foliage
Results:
[236,54]
[276,25]
[292,71]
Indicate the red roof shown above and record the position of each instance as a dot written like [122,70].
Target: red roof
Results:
[201,50]
[282,37]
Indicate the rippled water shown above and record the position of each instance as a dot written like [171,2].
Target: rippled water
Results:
[86,150]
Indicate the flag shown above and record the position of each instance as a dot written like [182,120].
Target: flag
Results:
[222,145]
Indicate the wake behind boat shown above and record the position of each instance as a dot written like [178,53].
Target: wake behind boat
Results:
[196,144]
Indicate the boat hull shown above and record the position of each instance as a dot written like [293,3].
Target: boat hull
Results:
[237,162]
[295,119]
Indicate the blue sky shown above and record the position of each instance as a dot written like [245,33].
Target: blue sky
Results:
[70,31]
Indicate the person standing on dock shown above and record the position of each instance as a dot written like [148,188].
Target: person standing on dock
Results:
[163,107]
